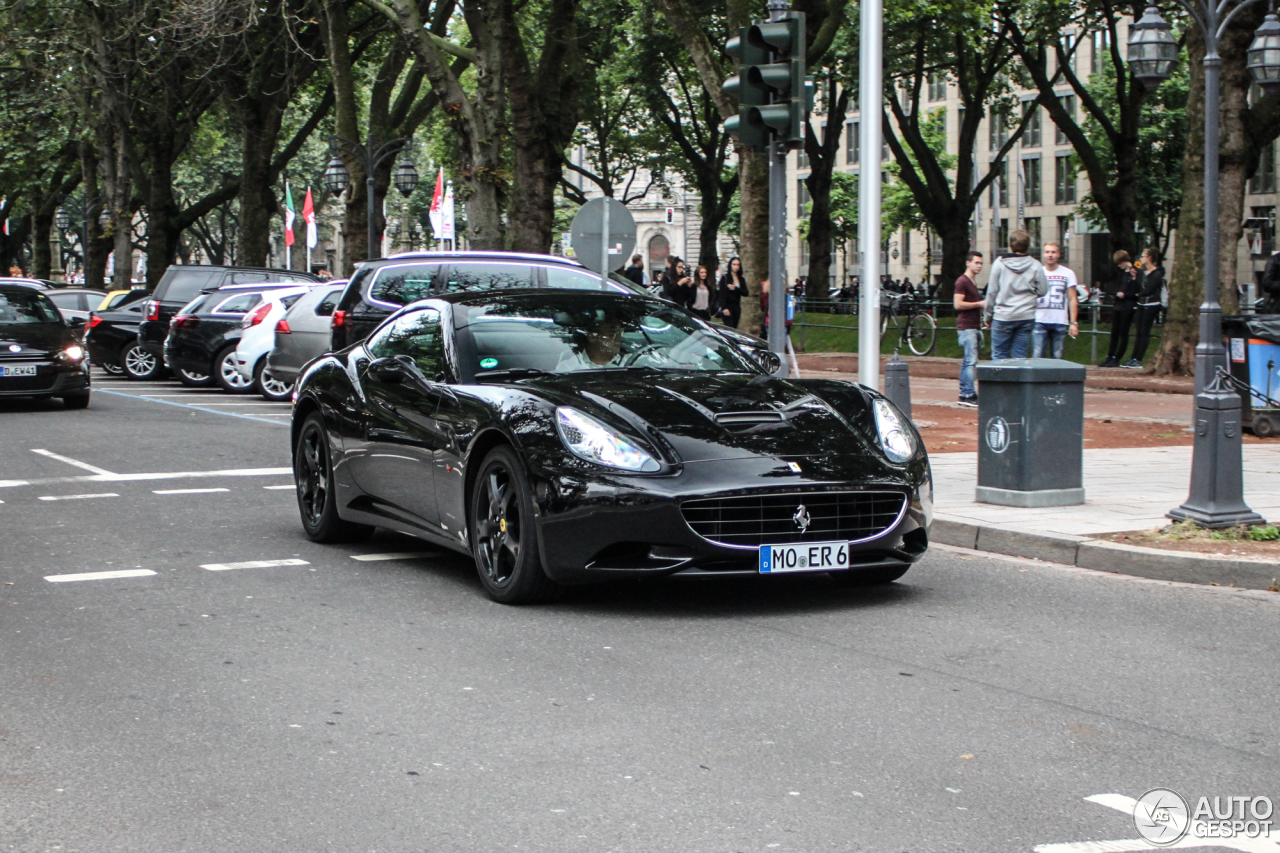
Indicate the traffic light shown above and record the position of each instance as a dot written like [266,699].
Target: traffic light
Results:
[770,84]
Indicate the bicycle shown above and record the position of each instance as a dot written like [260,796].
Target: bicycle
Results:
[919,331]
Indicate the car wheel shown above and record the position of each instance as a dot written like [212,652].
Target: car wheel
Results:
[113,368]
[226,375]
[76,401]
[868,577]
[1264,426]
[137,363]
[268,386]
[194,380]
[503,534]
[317,498]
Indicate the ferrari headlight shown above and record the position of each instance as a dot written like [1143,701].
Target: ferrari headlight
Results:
[591,440]
[73,353]
[895,438]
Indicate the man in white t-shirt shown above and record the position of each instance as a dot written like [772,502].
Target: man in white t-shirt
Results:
[1057,310]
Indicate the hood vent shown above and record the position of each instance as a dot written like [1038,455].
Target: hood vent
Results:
[748,419]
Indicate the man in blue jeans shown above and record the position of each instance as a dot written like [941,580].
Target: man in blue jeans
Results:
[969,304]
[1017,283]
[1056,311]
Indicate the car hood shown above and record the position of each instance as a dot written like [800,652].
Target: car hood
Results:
[35,339]
[706,416]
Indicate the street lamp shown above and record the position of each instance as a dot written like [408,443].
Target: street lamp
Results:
[371,156]
[63,219]
[1216,499]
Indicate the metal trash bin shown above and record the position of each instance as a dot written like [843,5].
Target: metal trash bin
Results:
[1031,432]
[1254,347]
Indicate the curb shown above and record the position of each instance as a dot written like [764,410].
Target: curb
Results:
[1085,553]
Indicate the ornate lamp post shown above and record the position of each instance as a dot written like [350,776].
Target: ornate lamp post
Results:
[371,156]
[1217,482]
[69,206]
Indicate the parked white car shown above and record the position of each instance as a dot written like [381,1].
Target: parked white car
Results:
[259,336]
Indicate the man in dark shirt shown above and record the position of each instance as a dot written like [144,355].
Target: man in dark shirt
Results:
[635,272]
[969,304]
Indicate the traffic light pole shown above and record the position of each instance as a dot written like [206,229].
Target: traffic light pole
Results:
[777,260]
[870,98]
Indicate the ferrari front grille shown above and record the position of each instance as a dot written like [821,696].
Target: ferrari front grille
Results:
[749,521]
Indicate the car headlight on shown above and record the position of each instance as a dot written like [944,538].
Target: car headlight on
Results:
[72,353]
[895,438]
[591,440]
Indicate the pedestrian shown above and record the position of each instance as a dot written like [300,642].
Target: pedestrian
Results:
[702,300]
[1270,297]
[635,272]
[1058,310]
[1128,284]
[1017,281]
[969,304]
[764,310]
[676,283]
[1148,305]
[732,286]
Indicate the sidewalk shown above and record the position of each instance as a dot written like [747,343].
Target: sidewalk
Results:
[1126,489]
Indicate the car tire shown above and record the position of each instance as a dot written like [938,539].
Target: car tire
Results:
[270,388]
[502,505]
[137,363]
[226,375]
[191,379]
[317,496]
[76,401]
[868,577]
[113,368]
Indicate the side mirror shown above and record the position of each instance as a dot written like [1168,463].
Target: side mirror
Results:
[387,370]
[76,322]
[768,360]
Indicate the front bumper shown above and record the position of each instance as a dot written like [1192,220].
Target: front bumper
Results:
[606,527]
[52,379]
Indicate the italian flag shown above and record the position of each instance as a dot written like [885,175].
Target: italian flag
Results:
[288,216]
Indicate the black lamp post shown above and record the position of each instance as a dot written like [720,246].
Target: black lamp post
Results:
[69,206]
[371,156]
[1217,481]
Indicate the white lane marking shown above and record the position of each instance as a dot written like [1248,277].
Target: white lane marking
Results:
[85,465]
[253,564]
[99,576]
[1268,843]
[290,486]
[186,491]
[164,475]
[8,484]
[77,497]
[372,558]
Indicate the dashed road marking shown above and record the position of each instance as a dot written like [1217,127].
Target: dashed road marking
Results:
[373,558]
[163,475]
[99,576]
[290,486]
[186,491]
[77,497]
[253,564]
[76,462]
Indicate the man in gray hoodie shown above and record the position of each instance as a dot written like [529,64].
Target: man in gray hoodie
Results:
[1017,282]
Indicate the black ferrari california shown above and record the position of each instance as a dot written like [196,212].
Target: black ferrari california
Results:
[569,436]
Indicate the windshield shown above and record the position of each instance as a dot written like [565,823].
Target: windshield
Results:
[20,307]
[582,332]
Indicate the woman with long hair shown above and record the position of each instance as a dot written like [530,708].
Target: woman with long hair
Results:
[703,298]
[732,287]
[677,286]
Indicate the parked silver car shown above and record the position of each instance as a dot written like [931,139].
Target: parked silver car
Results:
[303,332]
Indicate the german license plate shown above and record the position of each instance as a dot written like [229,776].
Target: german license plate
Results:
[806,557]
[18,370]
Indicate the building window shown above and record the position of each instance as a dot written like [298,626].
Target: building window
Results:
[1002,182]
[1063,237]
[802,198]
[937,87]
[1064,179]
[1031,136]
[1002,237]
[1033,229]
[1069,104]
[851,143]
[1068,41]
[1101,46]
[1264,180]
[998,129]
[1031,172]
[906,247]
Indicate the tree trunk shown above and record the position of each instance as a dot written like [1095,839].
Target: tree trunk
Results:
[955,246]
[260,124]
[1186,280]
[163,227]
[95,247]
[41,254]
[753,172]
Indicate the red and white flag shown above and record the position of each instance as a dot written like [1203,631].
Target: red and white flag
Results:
[437,208]
[288,215]
[309,217]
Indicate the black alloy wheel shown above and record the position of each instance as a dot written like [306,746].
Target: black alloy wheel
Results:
[503,534]
[226,375]
[191,379]
[317,501]
[268,386]
[113,368]
[139,364]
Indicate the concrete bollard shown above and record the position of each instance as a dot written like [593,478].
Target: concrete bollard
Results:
[897,384]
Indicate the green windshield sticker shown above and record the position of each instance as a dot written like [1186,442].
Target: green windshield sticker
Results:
[488,363]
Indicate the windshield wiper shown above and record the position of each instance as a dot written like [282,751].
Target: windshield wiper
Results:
[512,372]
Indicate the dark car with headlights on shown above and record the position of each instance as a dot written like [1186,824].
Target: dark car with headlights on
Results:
[569,436]
[40,352]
